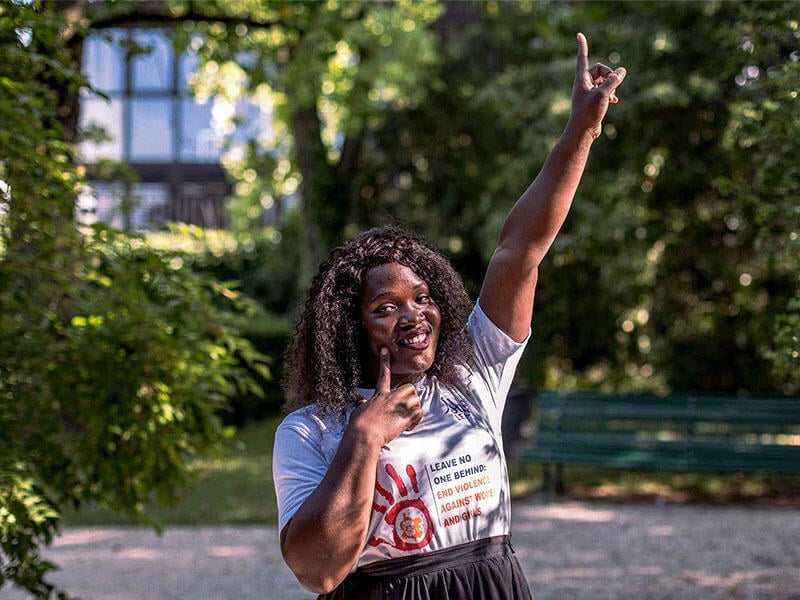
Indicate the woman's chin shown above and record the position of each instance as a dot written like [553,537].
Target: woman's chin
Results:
[412,372]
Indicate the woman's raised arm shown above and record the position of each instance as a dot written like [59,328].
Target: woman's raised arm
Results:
[532,224]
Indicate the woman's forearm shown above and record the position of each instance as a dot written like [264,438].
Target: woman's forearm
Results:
[537,216]
[325,537]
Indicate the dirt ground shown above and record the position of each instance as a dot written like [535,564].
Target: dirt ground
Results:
[569,550]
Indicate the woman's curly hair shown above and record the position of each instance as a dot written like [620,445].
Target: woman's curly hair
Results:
[327,357]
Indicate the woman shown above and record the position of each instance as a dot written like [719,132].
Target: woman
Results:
[390,475]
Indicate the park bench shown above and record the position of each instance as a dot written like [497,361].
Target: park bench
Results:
[692,432]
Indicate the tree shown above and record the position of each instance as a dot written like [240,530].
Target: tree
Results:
[671,272]
[115,362]
[354,142]
[763,137]
[326,71]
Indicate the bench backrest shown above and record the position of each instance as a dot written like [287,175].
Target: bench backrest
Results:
[678,432]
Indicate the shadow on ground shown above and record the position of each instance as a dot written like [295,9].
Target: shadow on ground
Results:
[571,550]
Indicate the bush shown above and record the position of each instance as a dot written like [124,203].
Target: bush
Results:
[269,334]
[116,368]
[260,266]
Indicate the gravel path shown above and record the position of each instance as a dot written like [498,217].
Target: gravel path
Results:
[569,550]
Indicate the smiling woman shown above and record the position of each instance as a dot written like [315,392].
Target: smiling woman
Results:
[400,318]
[389,470]
[364,297]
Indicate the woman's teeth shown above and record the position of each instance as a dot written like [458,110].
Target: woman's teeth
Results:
[417,339]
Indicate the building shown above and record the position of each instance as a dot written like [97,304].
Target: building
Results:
[155,126]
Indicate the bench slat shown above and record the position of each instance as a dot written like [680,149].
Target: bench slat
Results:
[599,409]
[681,432]
[624,440]
[666,462]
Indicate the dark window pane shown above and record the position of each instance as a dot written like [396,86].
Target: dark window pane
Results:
[108,203]
[149,205]
[108,115]
[202,204]
[199,143]
[151,130]
[153,69]
[104,60]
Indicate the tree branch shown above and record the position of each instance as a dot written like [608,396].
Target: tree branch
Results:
[156,12]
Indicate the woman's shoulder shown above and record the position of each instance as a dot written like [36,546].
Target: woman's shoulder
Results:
[484,331]
[310,420]
[307,430]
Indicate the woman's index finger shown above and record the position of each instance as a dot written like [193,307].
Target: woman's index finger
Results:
[583,55]
[384,383]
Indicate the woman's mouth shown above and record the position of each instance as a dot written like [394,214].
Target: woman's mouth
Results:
[419,341]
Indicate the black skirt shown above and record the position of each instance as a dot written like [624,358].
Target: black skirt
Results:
[482,570]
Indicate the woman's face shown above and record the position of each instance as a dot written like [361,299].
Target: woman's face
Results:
[399,314]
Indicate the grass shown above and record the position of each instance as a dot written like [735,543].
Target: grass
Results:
[236,487]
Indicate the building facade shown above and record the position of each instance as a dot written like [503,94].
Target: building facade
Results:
[155,127]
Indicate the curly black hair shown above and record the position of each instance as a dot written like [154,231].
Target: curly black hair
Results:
[327,357]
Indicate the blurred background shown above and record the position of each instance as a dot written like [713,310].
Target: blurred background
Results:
[173,171]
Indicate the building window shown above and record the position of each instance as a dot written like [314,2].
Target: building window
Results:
[153,124]
[151,132]
[152,70]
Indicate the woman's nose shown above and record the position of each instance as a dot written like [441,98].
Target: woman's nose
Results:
[411,316]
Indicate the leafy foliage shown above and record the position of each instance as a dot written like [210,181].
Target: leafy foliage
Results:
[115,360]
[327,72]
[763,139]
[260,266]
[678,268]
[678,258]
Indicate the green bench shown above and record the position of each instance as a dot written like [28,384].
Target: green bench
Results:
[704,433]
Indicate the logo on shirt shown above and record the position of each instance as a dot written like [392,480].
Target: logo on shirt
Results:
[458,408]
[412,527]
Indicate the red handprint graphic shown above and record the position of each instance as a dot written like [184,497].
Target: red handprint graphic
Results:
[411,523]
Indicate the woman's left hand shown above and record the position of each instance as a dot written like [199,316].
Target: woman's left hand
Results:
[594,89]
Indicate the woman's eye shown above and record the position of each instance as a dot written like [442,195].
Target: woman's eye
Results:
[384,308]
[424,299]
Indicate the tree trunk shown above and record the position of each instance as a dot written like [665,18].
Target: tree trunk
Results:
[317,176]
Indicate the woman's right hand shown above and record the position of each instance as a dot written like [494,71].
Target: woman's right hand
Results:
[389,412]
[315,546]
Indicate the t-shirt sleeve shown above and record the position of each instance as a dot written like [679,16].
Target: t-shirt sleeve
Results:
[495,356]
[298,463]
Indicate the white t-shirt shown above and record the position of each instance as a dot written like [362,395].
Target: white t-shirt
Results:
[443,483]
